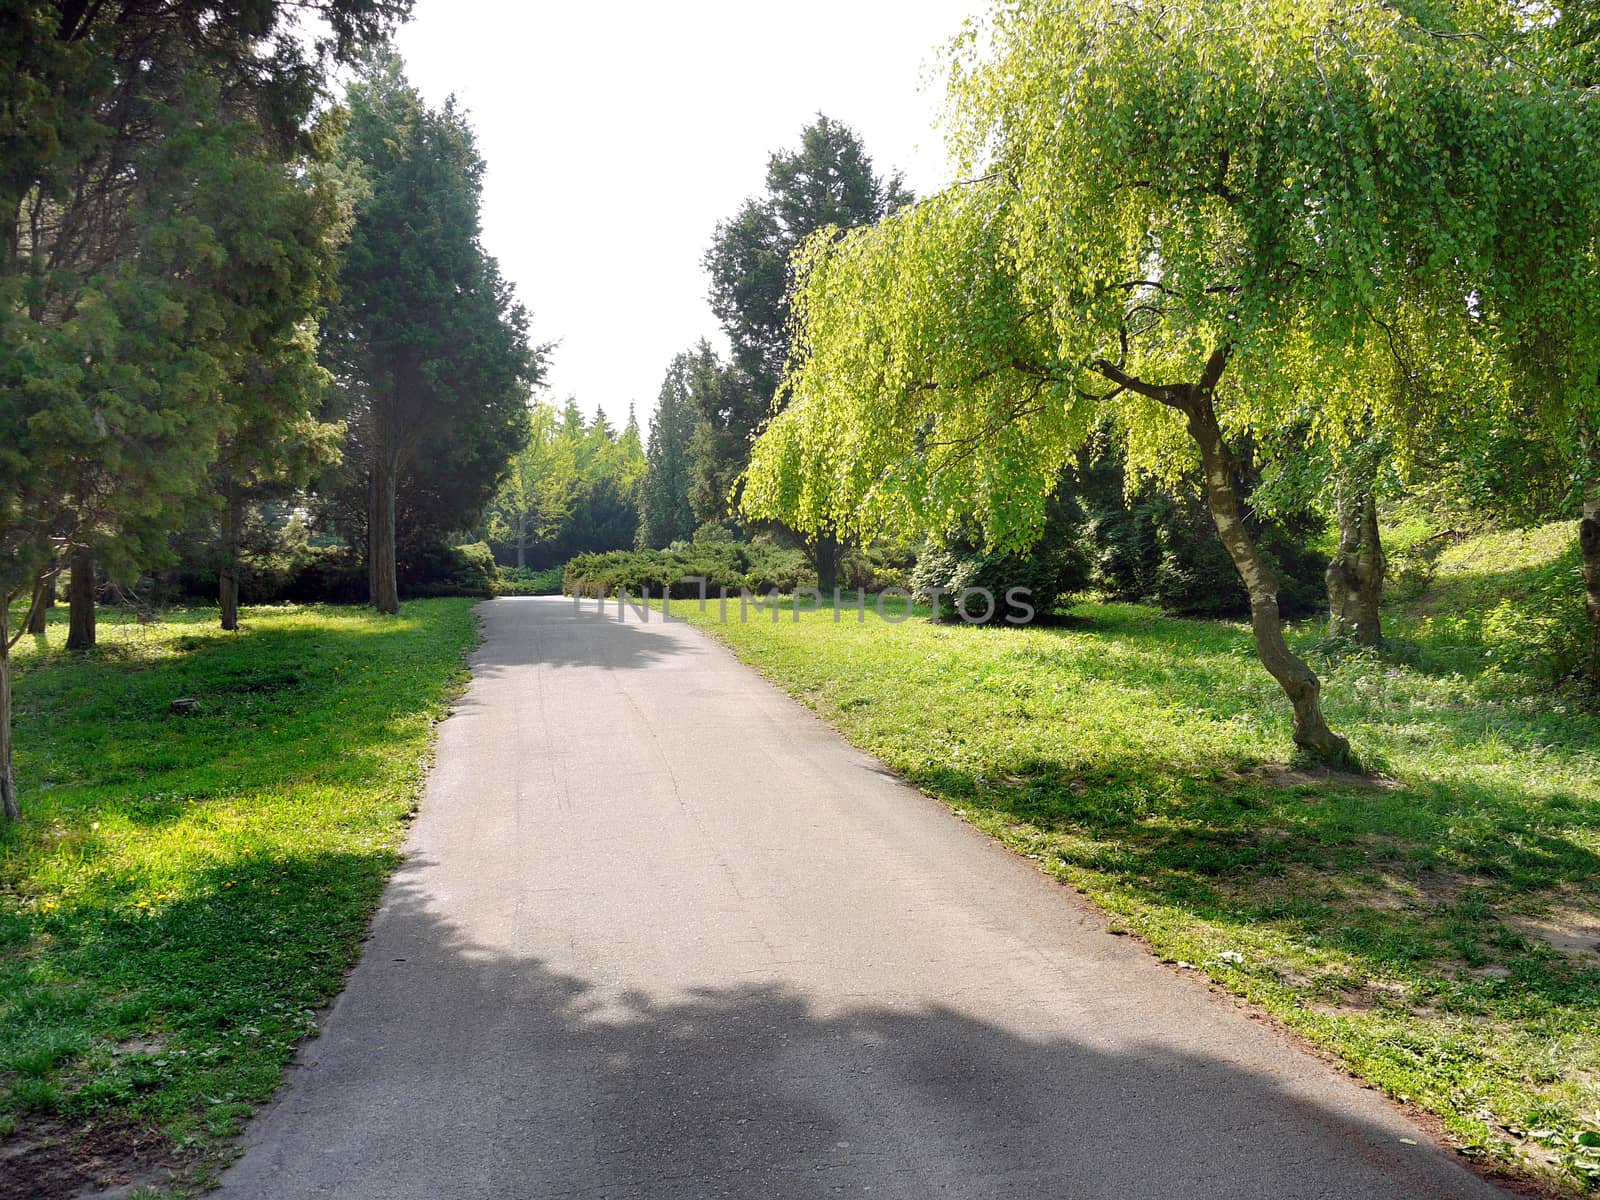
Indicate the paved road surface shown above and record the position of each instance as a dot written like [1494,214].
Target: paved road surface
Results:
[663,934]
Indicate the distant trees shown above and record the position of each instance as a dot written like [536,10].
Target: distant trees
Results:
[537,495]
[1199,221]
[665,512]
[575,486]
[426,340]
[826,183]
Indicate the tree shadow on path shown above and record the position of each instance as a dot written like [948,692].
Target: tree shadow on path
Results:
[454,1068]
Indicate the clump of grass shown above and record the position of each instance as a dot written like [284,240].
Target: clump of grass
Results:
[1148,762]
[185,891]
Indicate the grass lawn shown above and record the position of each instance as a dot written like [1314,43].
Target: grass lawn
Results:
[1432,927]
[185,891]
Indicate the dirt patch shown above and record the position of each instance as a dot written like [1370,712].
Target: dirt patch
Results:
[1278,775]
[1368,997]
[55,1160]
[1572,929]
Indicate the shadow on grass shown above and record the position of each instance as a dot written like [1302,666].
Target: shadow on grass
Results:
[1403,879]
[173,1019]
[277,706]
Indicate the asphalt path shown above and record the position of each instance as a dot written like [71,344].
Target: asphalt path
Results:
[662,933]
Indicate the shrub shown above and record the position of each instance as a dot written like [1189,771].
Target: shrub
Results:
[333,575]
[524,581]
[467,570]
[1053,570]
[1162,547]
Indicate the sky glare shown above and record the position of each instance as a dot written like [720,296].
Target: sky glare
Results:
[617,135]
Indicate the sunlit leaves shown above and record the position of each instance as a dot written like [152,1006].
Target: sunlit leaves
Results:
[1381,210]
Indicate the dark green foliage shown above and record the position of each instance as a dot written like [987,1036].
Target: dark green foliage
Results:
[274,550]
[450,571]
[729,405]
[1161,547]
[524,581]
[666,514]
[427,340]
[1052,570]
[827,181]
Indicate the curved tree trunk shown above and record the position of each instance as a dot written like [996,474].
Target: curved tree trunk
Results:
[228,572]
[80,600]
[8,782]
[382,580]
[1355,575]
[44,598]
[1299,682]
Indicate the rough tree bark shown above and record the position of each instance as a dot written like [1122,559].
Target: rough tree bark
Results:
[1355,575]
[228,572]
[1298,681]
[1589,542]
[8,782]
[825,552]
[80,601]
[44,599]
[382,580]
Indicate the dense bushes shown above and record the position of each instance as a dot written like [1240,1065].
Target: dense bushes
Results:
[1052,570]
[449,571]
[1161,547]
[759,566]
[277,564]
[525,581]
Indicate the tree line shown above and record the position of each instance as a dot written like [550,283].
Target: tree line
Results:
[224,287]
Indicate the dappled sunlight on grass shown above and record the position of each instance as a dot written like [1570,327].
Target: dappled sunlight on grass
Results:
[1148,761]
[195,885]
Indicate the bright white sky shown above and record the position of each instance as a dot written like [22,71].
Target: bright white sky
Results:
[618,134]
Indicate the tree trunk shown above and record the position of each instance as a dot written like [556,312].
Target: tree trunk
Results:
[1355,575]
[825,552]
[382,582]
[8,782]
[80,599]
[44,598]
[1299,682]
[1589,542]
[228,573]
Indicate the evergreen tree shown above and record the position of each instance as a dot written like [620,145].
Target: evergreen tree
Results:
[427,341]
[665,512]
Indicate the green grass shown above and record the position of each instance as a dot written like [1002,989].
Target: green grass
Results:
[1139,758]
[184,892]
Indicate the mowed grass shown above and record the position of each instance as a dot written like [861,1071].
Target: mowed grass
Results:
[185,891]
[1427,925]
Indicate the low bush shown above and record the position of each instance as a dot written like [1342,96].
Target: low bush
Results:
[758,566]
[467,570]
[524,581]
[1053,570]
[1161,547]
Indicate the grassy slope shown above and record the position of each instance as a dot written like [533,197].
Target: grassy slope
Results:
[185,891]
[1134,756]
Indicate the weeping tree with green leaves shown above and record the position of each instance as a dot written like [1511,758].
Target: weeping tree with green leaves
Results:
[1202,220]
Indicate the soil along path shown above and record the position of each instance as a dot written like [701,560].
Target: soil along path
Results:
[664,934]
